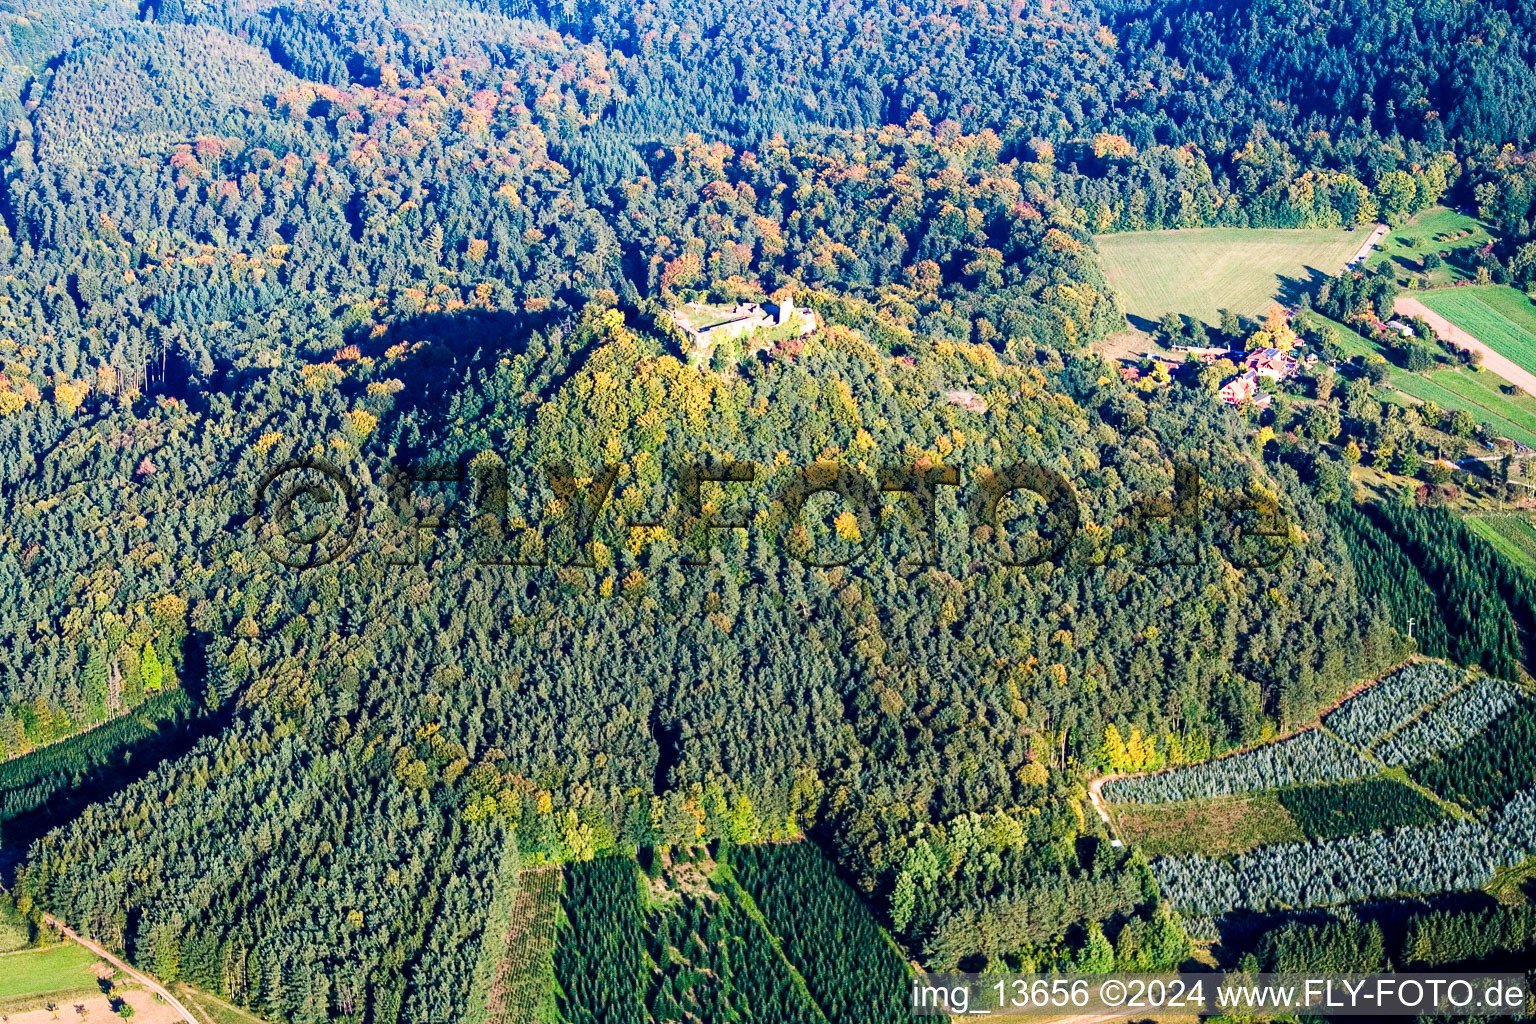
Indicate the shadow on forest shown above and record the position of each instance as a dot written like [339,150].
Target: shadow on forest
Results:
[129,763]
[460,348]
[1242,931]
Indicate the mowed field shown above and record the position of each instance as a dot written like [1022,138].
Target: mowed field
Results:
[1501,318]
[1205,270]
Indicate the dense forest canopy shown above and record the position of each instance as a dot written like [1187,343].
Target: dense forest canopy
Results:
[388,235]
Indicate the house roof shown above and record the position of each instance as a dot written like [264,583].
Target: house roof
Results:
[1245,381]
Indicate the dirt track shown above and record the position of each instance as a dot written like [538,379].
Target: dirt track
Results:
[1505,368]
[1096,798]
[138,976]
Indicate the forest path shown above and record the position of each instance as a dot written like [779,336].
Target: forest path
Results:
[1096,797]
[1501,365]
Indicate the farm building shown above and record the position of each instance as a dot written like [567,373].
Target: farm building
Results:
[1206,354]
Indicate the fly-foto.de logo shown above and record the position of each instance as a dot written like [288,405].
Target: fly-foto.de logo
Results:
[308,512]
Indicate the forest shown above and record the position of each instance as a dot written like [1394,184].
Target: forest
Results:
[433,245]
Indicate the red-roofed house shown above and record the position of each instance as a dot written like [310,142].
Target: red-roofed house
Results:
[1271,363]
[1241,388]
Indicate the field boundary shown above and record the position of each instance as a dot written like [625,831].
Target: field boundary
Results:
[1364,252]
[123,965]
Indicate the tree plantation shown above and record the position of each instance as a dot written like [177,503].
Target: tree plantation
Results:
[596,512]
[1328,811]
[1383,709]
[1311,756]
[1457,854]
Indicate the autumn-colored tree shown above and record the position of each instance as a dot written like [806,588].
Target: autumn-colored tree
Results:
[68,394]
[150,669]
[1277,328]
[680,272]
[1113,752]
[1112,146]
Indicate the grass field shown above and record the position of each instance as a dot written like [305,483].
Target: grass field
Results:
[1485,389]
[33,974]
[1477,391]
[1351,343]
[1501,318]
[1510,885]
[1214,827]
[1202,271]
[1461,389]
[1431,231]
[1512,536]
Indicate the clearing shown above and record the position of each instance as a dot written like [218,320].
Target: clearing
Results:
[1200,271]
[523,991]
[1509,886]
[1500,318]
[1213,827]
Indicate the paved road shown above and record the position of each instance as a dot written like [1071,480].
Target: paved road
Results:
[1505,368]
[143,979]
[1370,243]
